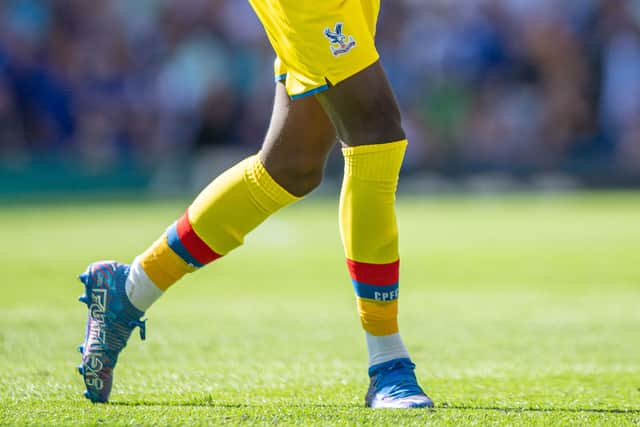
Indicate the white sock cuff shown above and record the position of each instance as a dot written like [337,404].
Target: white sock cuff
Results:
[385,348]
[141,290]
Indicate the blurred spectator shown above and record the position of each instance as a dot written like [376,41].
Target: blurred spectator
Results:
[509,85]
[620,105]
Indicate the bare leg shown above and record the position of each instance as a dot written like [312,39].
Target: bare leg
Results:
[298,142]
[363,108]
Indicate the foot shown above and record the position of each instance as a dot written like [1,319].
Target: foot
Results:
[110,320]
[394,385]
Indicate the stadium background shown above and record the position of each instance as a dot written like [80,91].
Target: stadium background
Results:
[123,94]
[519,307]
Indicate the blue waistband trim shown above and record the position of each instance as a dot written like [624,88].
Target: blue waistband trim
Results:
[310,92]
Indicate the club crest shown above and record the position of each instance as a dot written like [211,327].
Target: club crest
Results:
[340,43]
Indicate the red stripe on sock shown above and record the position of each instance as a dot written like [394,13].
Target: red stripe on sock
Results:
[193,243]
[374,274]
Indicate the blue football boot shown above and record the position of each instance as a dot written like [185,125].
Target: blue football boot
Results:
[110,320]
[394,385]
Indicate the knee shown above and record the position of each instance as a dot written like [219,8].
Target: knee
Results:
[303,179]
[297,176]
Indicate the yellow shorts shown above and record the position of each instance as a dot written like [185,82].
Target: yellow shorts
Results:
[319,43]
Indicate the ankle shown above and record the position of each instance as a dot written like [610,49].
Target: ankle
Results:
[385,348]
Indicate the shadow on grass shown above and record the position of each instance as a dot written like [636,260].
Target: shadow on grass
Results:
[194,403]
[206,402]
[539,409]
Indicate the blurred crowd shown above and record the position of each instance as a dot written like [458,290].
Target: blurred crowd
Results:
[514,85]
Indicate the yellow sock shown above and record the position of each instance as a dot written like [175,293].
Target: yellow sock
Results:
[216,222]
[370,233]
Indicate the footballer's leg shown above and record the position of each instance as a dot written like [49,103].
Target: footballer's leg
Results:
[289,166]
[328,49]
[365,114]
[297,144]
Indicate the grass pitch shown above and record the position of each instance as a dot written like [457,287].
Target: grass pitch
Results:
[518,310]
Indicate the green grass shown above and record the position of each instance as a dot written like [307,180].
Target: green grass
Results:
[518,310]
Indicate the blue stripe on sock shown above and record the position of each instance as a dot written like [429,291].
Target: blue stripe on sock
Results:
[176,245]
[378,293]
